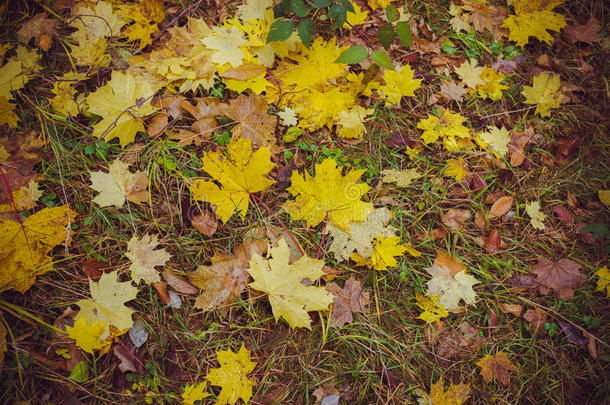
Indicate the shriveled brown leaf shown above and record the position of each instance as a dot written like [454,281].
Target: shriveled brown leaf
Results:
[488,18]
[564,215]
[588,32]
[514,309]
[561,276]
[94,268]
[455,218]
[135,190]
[330,273]
[157,124]
[186,137]
[205,222]
[492,318]
[253,122]
[423,45]
[493,241]
[504,66]
[566,148]
[501,206]
[161,289]
[227,277]
[496,366]
[327,392]
[347,300]
[517,144]
[171,104]
[126,361]
[479,220]
[456,341]
[537,319]
[572,333]
[39,27]
[178,284]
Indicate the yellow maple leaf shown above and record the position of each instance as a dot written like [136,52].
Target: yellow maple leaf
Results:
[225,44]
[375,4]
[604,280]
[356,18]
[232,376]
[351,122]
[361,235]
[402,178]
[604,197]
[321,108]
[450,282]
[7,112]
[456,394]
[449,127]
[496,366]
[194,392]
[242,174]
[88,336]
[536,216]
[119,184]
[432,309]
[328,193]
[144,258]
[544,92]
[253,10]
[495,139]
[63,88]
[107,304]
[289,298]
[120,103]
[25,198]
[532,19]
[146,14]
[399,83]
[316,67]
[456,168]
[470,73]
[384,251]
[492,87]
[24,249]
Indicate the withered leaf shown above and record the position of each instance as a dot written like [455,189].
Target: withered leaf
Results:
[514,309]
[537,319]
[496,366]
[206,222]
[158,124]
[177,283]
[493,241]
[561,276]
[253,122]
[455,218]
[346,300]
[161,289]
[573,334]
[501,206]
[588,32]
[452,91]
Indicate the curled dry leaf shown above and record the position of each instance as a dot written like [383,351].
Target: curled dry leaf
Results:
[493,241]
[161,289]
[178,284]
[537,319]
[126,361]
[206,222]
[561,276]
[573,334]
[564,215]
[501,206]
[514,309]
[157,124]
[94,268]
[253,122]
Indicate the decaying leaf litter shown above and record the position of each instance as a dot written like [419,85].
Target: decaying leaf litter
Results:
[295,202]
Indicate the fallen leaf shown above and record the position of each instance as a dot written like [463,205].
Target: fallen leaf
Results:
[456,394]
[327,394]
[158,124]
[161,289]
[432,309]
[588,32]
[564,215]
[138,333]
[94,268]
[119,185]
[493,241]
[178,284]
[232,376]
[194,392]
[537,217]
[205,222]
[450,282]
[242,174]
[39,27]
[561,276]
[544,93]
[452,91]
[501,206]
[402,178]
[125,360]
[88,335]
[514,309]
[144,258]
[346,300]
[603,283]
[253,122]
[496,366]
[533,19]
[455,218]
[537,319]
[289,298]
[566,148]
[573,334]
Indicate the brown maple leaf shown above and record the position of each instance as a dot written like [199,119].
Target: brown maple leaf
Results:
[205,113]
[496,366]
[588,32]
[347,300]
[561,276]
[455,218]
[253,122]
[537,319]
[227,277]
